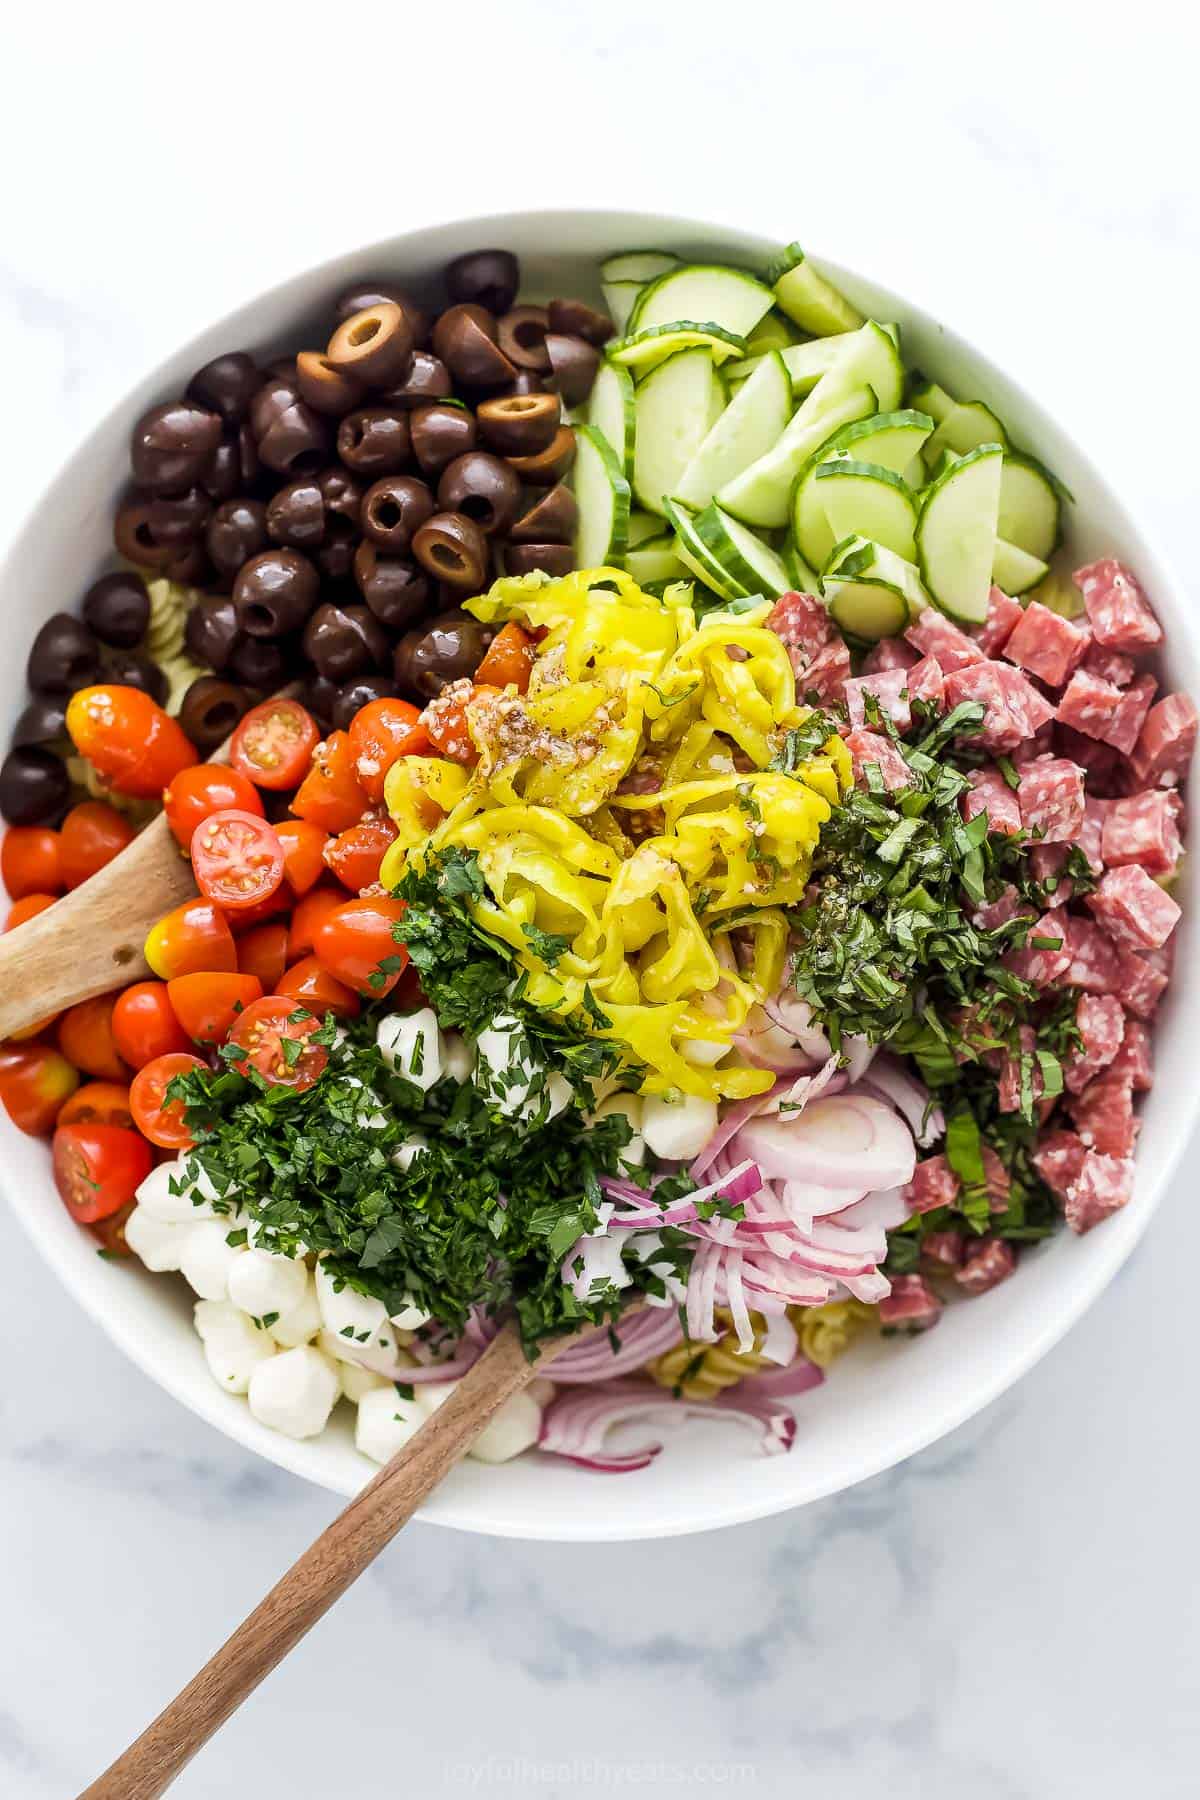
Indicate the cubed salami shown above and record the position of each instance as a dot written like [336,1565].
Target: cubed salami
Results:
[1129,714]
[911,1306]
[1168,737]
[933,634]
[1104,767]
[1046,955]
[1135,1059]
[827,673]
[1046,644]
[1100,1020]
[1089,704]
[870,750]
[1140,985]
[1103,1115]
[889,688]
[1110,665]
[1096,963]
[1119,611]
[990,793]
[801,622]
[987,1262]
[889,653]
[1091,836]
[1133,909]
[927,681]
[1005,906]
[1059,1157]
[1003,614]
[1040,744]
[943,1249]
[1013,708]
[1047,862]
[996,1180]
[1051,800]
[1143,829]
[934,1183]
[1103,1186]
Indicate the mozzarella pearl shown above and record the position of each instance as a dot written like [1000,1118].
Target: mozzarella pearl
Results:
[300,1323]
[208,1260]
[406,1154]
[294,1392]
[458,1059]
[432,1394]
[233,1345]
[369,1118]
[358,1319]
[356,1381]
[704,1052]
[263,1283]
[158,1242]
[411,1044]
[386,1422]
[179,1208]
[630,1108]
[678,1126]
[514,1427]
[518,1091]
[410,1317]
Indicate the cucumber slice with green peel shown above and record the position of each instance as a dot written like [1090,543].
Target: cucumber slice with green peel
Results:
[754,420]
[889,440]
[803,579]
[656,559]
[638,265]
[642,525]
[643,350]
[730,298]
[946,460]
[956,534]
[1014,570]
[620,298]
[805,363]
[869,359]
[871,592]
[808,298]
[694,555]
[965,428]
[611,411]
[929,398]
[1030,507]
[864,500]
[602,496]
[675,405]
[742,559]
[773,332]
[760,495]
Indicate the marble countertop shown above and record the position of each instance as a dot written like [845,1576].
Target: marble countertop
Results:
[1013,1614]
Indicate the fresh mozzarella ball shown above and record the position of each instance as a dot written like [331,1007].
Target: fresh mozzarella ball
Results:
[386,1422]
[300,1323]
[158,1242]
[432,1394]
[356,1381]
[458,1059]
[176,1208]
[514,1427]
[501,1049]
[263,1283]
[406,1154]
[370,1118]
[561,1095]
[358,1319]
[233,1346]
[410,1317]
[678,1126]
[630,1107]
[411,1044]
[542,1391]
[208,1260]
[704,1052]
[294,1392]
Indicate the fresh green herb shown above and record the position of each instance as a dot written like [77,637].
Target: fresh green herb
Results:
[547,946]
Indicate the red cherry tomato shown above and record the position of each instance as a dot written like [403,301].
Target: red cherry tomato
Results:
[128,737]
[381,732]
[85,1037]
[408,995]
[110,1233]
[331,794]
[508,661]
[445,720]
[97,1103]
[237,860]
[92,834]
[197,793]
[273,744]
[303,853]
[307,915]
[156,1117]
[98,1168]
[30,860]
[144,1024]
[355,856]
[28,907]
[207,1005]
[355,943]
[195,937]
[34,1082]
[314,987]
[264,1032]
[263,952]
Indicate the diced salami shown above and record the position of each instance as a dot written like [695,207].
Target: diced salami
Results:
[1089,704]
[1110,665]
[943,1249]
[889,653]
[1051,800]
[1047,862]
[1091,835]
[1046,644]
[870,750]
[1135,1059]
[1104,767]
[911,1306]
[996,1180]
[1103,1115]
[934,1183]
[1003,614]
[1013,708]
[1133,909]
[990,793]
[1100,1019]
[1009,1080]
[802,624]
[927,681]
[1103,1186]
[1140,985]
[1005,906]
[1129,715]
[1058,1159]
[1143,829]
[1046,956]
[1119,611]
[1168,737]
[1040,744]
[987,1262]
[827,673]
[889,687]
[933,634]
[1096,963]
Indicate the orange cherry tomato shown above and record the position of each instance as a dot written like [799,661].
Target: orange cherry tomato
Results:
[318,990]
[273,744]
[85,1037]
[331,794]
[355,856]
[197,793]
[263,952]
[264,1032]
[508,661]
[27,907]
[308,914]
[445,720]
[144,1024]
[157,1118]
[381,732]
[237,860]
[303,853]
[355,943]
[207,1005]
[194,937]
[30,860]
[128,737]
[98,1168]
[110,1232]
[34,1082]
[92,834]
[97,1103]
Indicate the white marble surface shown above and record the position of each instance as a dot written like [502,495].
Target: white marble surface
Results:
[1011,1616]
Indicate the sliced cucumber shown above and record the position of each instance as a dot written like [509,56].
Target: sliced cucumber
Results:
[656,559]
[871,359]
[865,500]
[808,298]
[760,494]
[675,404]
[693,553]
[1013,569]
[731,298]
[611,411]
[956,533]
[929,398]
[773,332]
[872,593]
[742,559]
[1030,508]
[602,496]
[965,428]
[754,420]
[889,440]
[639,266]
[805,363]
[620,298]
[643,350]
[642,525]
[803,579]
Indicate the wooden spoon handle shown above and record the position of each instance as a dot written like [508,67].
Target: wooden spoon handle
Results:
[320,1577]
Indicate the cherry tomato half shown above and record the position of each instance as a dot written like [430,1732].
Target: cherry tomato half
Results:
[263,952]
[85,1037]
[237,860]
[331,794]
[445,720]
[303,853]
[144,1024]
[92,834]
[355,944]
[197,793]
[314,987]
[208,1005]
[97,1103]
[355,856]
[267,1029]
[98,1169]
[508,660]
[129,738]
[34,1082]
[28,907]
[308,914]
[110,1232]
[156,1117]
[30,860]
[381,732]
[273,744]
[194,937]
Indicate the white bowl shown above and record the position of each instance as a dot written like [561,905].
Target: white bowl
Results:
[883,1401]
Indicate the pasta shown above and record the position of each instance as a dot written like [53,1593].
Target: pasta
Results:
[701,1372]
[87,778]
[170,604]
[825,1331]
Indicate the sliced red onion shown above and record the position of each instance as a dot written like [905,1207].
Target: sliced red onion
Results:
[794,1015]
[860,1053]
[738,1186]
[882,1211]
[893,1082]
[781,1344]
[641,1337]
[577,1425]
[797,1377]
[854,1143]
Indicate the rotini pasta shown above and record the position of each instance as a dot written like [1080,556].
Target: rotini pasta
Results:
[702,1371]
[170,604]
[87,779]
[825,1331]
[180,671]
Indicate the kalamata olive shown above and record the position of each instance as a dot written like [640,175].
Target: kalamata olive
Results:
[550,519]
[275,592]
[179,518]
[526,381]
[372,346]
[519,424]
[292,439]
[127,669]
[223,477]
[393,509]
[341,492]
[446,648]
[484,488]
[236,532]
[396,591]
[44,721]
[522,559]
[575,318]
[226,385]
[259,663]
[320,695]
[117,609]
[334,556]
[521,334]
[550,465]
[440,433]
[210,710]
[64,656]
[367,293]
[296,514]
[324,388]
[465,339]
[344,641]
[33,786]
[375,441]
[426,378]
[212,630]
[357,694]
[573,365]
[171,444]
[188,564]
[452,548]
[488,278]
[135,540]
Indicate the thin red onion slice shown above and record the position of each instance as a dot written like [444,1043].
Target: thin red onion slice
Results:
[892,1082]
[577,1425]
